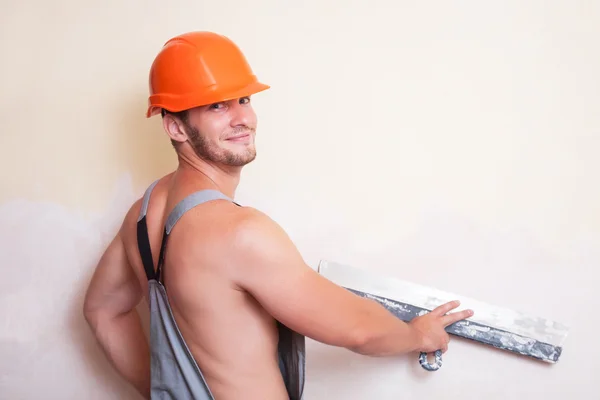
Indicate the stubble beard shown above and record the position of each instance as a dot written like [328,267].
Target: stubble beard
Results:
[209,152]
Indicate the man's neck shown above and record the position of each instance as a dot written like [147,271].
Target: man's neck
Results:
[222,178]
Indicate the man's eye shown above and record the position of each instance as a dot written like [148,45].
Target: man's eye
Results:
[245,100]
[216,105]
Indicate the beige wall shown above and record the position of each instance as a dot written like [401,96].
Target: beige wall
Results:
[449,144]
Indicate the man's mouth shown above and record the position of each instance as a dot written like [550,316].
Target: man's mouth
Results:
[239,138]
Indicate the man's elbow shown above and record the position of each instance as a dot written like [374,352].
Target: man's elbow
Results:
[92,311]
[89,314]
[360,340]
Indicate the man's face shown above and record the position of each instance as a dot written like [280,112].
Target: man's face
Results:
[224,132]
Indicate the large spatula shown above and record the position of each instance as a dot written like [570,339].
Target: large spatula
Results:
[502,328]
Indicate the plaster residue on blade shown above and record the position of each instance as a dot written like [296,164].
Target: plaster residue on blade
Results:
[475,331]
[405,312]
[507,340]
[536,328]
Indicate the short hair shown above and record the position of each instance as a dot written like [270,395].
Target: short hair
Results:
[183,115]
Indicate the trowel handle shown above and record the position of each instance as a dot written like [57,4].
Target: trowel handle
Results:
[431,367]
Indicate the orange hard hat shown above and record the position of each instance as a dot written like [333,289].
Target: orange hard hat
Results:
[199,68]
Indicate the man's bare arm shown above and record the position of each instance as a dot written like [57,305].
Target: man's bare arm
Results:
[268,265]
[109,309]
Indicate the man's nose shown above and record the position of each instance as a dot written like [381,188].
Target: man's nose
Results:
[243,115]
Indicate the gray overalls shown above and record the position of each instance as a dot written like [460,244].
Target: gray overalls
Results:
[174,372]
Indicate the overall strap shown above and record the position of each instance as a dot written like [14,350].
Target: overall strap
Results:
[190,202]
[142,234]
[181,208]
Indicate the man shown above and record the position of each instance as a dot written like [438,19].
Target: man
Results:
[231,297]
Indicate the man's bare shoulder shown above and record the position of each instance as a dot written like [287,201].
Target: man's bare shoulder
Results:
[245,235]
[252,229]
[131,218]
[256,244]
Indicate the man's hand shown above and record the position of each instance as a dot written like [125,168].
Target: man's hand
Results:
[431,326]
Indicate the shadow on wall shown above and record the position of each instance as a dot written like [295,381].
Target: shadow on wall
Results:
[141,146]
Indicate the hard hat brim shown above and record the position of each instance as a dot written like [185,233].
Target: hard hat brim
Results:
[186,102]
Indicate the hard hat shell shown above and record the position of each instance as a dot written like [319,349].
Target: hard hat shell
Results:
[199,68]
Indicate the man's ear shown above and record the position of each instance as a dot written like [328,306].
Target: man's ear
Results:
[174,128]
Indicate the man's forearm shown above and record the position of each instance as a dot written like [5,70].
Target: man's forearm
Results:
[124,343]
[385,334]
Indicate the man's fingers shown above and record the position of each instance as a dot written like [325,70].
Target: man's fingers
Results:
[444,308]
[455,317]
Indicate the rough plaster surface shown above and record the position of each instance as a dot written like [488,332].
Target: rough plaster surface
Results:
[48,255]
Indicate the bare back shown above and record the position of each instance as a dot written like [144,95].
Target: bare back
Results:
[232,338]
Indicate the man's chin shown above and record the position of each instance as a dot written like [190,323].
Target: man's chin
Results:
[241,160]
